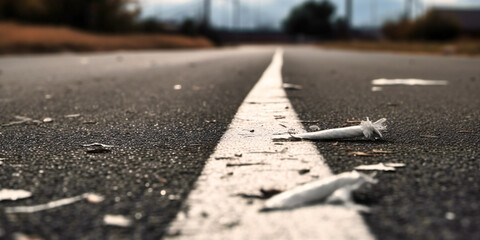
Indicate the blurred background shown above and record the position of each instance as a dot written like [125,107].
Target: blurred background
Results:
[447,26]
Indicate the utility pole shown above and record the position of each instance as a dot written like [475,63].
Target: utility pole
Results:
[206,13]
[348,15]
[408,9]
[238,15]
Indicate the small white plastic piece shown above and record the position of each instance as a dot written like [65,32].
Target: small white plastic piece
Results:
[49,205]
[408,81]
[318,190]
[13,195]
[380,167]
[98,145]
[366,129]
[117,220]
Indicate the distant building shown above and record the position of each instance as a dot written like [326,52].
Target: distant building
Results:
[468,19]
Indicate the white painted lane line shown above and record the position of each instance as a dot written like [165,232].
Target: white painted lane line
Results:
[215,211]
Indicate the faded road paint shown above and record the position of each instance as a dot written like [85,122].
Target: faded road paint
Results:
[246,160]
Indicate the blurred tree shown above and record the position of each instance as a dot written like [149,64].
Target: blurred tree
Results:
[189,28]
[431,27]
[151,25]
[399,30]
[341,28]
[434,26]
[311,19]
[94,15]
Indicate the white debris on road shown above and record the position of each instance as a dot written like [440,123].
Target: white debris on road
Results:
[20,120]
[50,205]
[76,115]
[13,195]
[117,220]
[380,167]
[366,129]
[408,81]
[97,145]
[94,198]
[376,89]
[47,120]
[317,191]
[290,86]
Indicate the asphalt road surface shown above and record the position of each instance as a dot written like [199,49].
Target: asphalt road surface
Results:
[165,112]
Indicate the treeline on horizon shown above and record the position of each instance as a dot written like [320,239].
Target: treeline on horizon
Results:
[311,19]
[316,20]
[107,16]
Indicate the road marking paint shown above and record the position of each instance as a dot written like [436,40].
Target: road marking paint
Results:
[214,209]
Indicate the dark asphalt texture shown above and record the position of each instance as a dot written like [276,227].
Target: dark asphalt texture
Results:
[442,175]
[162,137]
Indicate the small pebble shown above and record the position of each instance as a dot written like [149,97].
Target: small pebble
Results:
[47,120]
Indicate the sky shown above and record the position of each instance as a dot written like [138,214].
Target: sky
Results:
[270,13]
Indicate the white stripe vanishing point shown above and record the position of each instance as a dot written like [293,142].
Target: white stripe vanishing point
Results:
[247,160]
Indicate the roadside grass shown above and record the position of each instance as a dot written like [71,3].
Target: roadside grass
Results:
[18,38]
[460,47]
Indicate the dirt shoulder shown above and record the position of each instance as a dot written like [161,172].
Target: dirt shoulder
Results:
[17,38]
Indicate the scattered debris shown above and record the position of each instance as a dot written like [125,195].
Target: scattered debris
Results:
[464,131]
[303,171]
[268,193]
[211,121]
[278,117]
[20,119]
[380,167]
[314,128]
[265,194]
[290,86]
[252,131]
[381,151]
[98,148]
[284,150]
[409,82]
[48,96]
[317,191]
[429,136]
[97,145]
[94,198]
[89,122]
[23,236]
[243,164]
[309,121]
[377,89]
[177,87]
[224,158]
[335,144]
[13,195]
[283,125]
[366,129]
[362,154]
[47,120]
[73,115]
[229,174]
[117,220]
[238,155]
[50,205]
[353,121]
